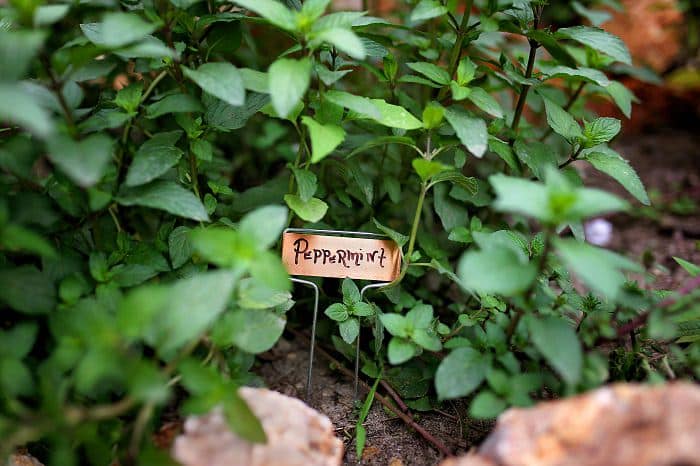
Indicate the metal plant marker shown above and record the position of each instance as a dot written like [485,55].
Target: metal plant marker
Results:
[339,254]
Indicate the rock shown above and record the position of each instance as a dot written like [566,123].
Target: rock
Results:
[619,425]
[23,459]
[297,436]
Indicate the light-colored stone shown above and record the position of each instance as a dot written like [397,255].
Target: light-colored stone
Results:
[618,425]
[23,459]
[297,436]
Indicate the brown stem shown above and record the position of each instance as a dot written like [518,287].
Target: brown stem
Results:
[395,396]
[406,418]
[572,158]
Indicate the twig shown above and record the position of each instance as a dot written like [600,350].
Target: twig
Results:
[406,418]
[395,396]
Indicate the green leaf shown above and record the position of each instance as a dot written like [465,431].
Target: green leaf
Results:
[396,324]
[273,11]
[433,116]
[587,74]
[155,157]
[430,71]
[486,405]
[349,329]
[288,81]
[600,131]
[351,294]
[128,98]
[20,107]
[453,176]
[466,71]
[521,196]
[692,269]
[361,105]
[344,40]
[427,9]
[193,304]
[312,210]
[18,48]
[400,350]
[165,195]
[561,121]
[395,116]
[264,225]
[460,373]
[18,340]
[253,330]
[174,103]
[426,339]
[223,247]
[536,155]
[49,14]
[611,163]
[83,161]
[598,268]
[495,271]
[599,40]
[314,8]
[307,183]
[15,378]
[337,312]
[485,102]
[622,96]
[27,290]
[179,246]
[15,237]
[241,418]
[472,132]
[397,237]
[556,339]
[324,138]
[595,17]
[362,309]
[426,169]
[117,30]
[222,80]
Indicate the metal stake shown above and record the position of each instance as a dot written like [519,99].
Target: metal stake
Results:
[357,341]
[313,334]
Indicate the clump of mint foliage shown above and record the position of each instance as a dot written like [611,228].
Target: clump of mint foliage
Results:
[153,151]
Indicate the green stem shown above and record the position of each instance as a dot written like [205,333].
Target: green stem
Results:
[541,264]
[459,44]
[416,222]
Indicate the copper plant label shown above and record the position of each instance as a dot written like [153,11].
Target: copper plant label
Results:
[315,255]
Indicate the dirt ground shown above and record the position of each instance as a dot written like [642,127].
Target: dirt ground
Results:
[668,163]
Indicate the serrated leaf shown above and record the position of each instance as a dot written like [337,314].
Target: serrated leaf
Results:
[495,271]
[395,116]
[359,104]
[427,9]
[601,130]
[561,121]
[344,40]
[83,161]
[611,163]
[599,40]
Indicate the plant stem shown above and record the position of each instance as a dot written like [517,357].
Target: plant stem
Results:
[416,221]
[525,88]
[541,264]
[459,44]
[572,158]
[56,86]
